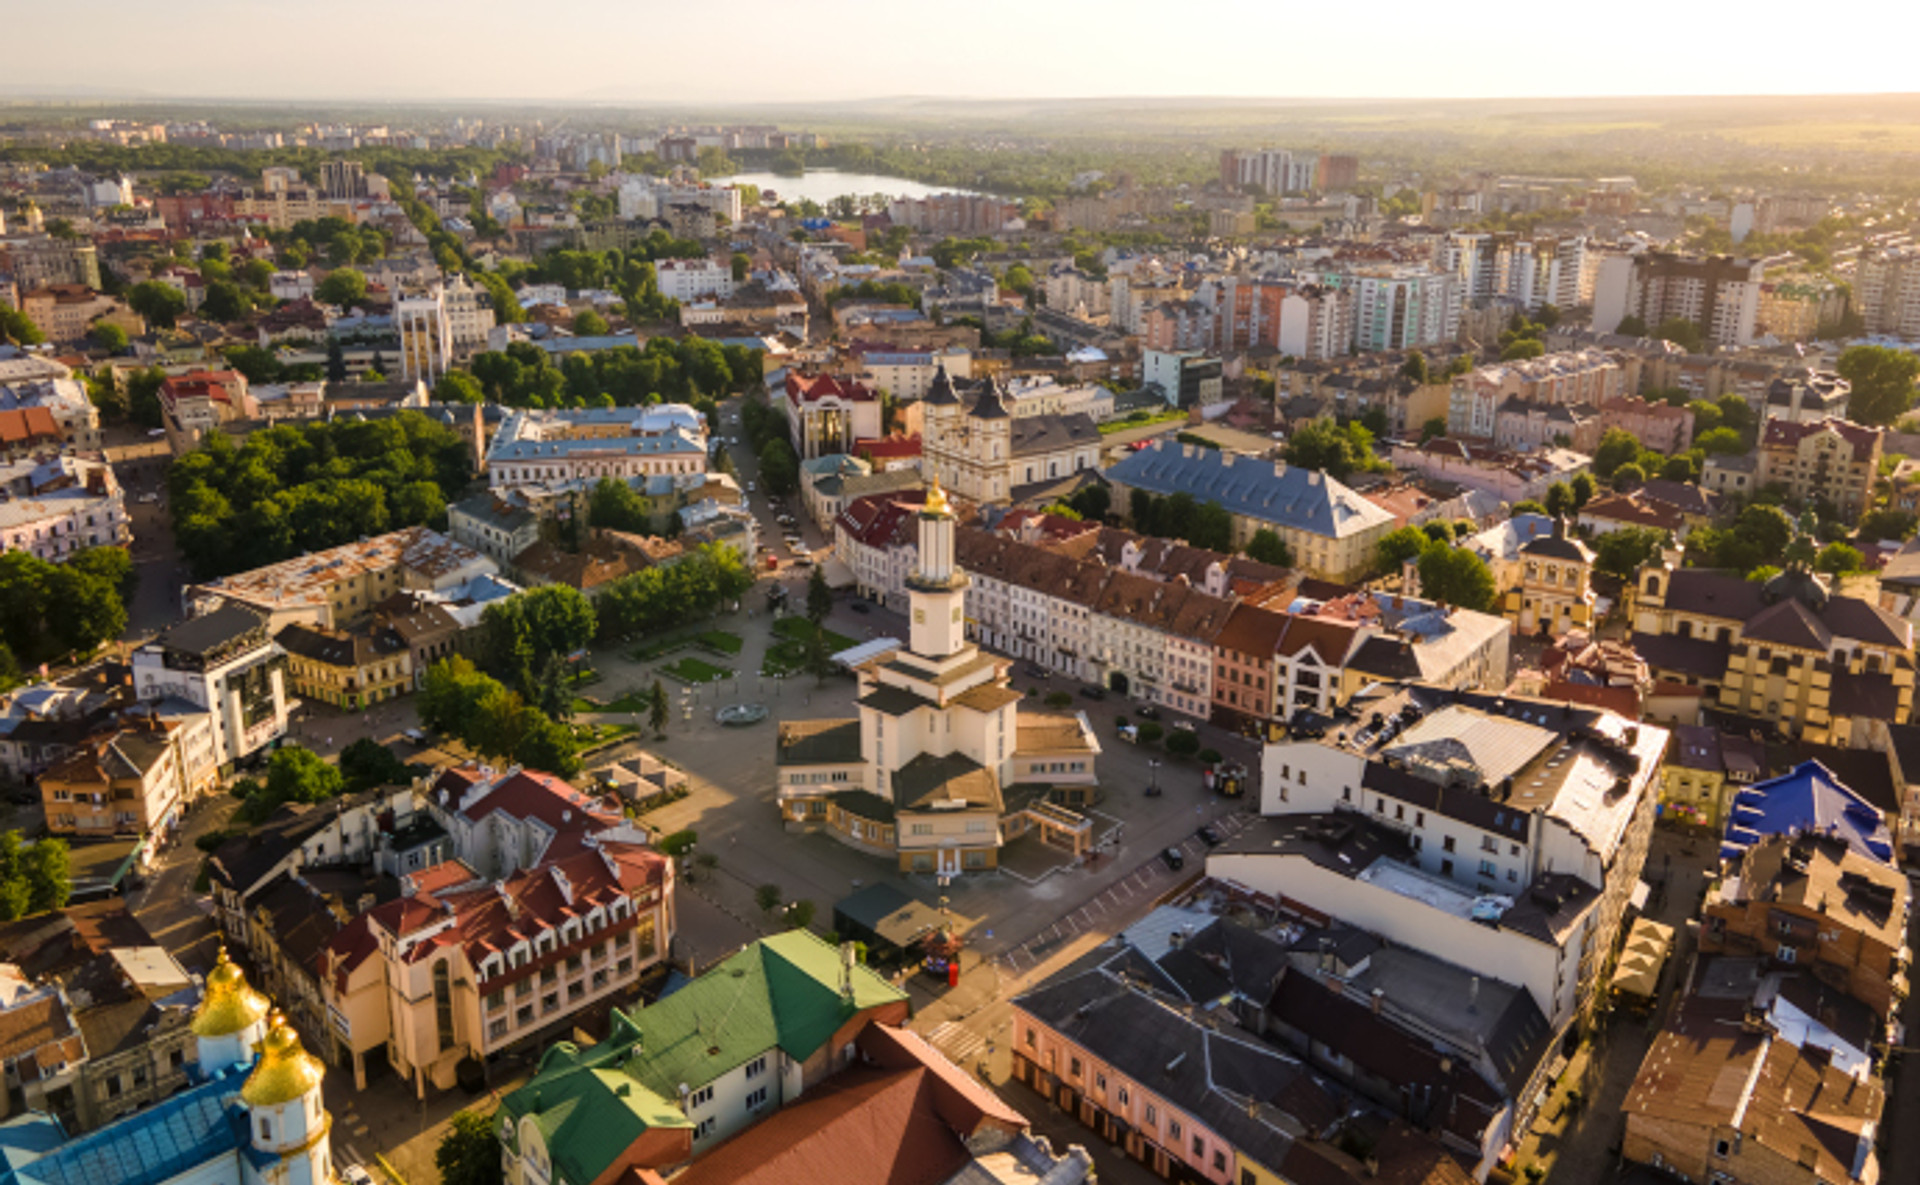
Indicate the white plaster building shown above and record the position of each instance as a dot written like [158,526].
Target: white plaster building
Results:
[225,663]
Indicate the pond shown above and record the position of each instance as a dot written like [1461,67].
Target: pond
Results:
[823,185]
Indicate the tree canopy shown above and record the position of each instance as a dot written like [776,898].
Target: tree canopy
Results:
[34,878]
[667,595]
[1339,450]
[1456,576]
[666,369]
[49,611]
[457,699]
[1882,380]
[306,487]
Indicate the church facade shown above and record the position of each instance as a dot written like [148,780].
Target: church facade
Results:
[941,768]
[253,1116]
[980,445]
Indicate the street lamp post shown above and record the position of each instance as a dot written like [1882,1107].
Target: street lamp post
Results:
[1153,767]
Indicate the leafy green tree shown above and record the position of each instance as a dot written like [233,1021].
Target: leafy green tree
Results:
[1617,447]
[1092,502]
[1629,476]
[547,744]
[47,872]
[658,708]
[1527,506]
[1267,547]
[1620,553]
[1584,488]
[1415,367]
[367,763]
[1398,546]
[1433,429]
[1631,326]
[1524,348]
[258,274]
[1840,559]
[1679,468]
[1706,416]
[1456,576]
[344,286]
[800,914]
[469,1152]
[225,301]
[1183,744]
[1326,445]
[1559,499]
[768,897]
[17,328]
[587,323]
[1882,379]
[1683,333]
[159,304]
[819,597]
[1887,524]
[779,468]
[1721,441]
[108,336]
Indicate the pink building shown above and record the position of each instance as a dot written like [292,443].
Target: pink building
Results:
[1662,427]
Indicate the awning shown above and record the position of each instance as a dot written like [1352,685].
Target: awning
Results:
[1638,971]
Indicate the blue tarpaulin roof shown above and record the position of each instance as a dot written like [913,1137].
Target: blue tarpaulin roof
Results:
[1806,798]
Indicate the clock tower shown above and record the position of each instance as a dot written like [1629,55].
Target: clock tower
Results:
[937,590]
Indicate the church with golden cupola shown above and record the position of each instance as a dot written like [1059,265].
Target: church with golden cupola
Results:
[254,1115]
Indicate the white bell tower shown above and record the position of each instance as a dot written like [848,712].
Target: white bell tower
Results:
[937,589]
[286,1117]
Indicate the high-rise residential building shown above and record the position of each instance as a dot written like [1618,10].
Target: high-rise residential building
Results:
[1532,270]
[1718,293]
[1339,172]
[469,315]
[343,180]
[1274,170]
[1886,288]
[1399,306]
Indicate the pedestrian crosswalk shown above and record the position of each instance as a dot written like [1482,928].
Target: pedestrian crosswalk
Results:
[956,1040]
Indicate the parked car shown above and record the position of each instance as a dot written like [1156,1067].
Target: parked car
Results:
[1208,836]
[861,607]
[751,488]
[1129,733]
[1147,712]
[1092,692]
[353,1174]
[1034,670]
[1175,858]
[1183,726]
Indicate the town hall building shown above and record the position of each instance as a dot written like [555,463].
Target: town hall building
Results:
[941,768]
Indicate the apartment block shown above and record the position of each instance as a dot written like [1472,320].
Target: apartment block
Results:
[1826,460]
[1886,291]
[1719,293]
[339,587]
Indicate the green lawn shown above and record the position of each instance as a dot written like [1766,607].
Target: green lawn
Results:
[632,701]
[1122,424]
[799,629]
[692,670]
[789,650]
[722,641]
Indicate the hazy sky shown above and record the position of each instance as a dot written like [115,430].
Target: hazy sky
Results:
[753,50]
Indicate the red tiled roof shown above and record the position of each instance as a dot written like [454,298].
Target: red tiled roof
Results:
[808,388]
[530,794]
[882,520]
[27,424]
[888,448]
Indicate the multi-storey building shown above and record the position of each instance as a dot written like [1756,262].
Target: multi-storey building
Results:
[1886,291]
[1330,530]
[461,967]
[1512,477]
[941,767]
[135,780]
[38,260]
[1578,378]
[751,1036]
[223,662]
[1186,378]
[425,331]
[1718,293]
[500,821]
[906,374]
[1832,461]
[1530,272]
[338,588]
[694,279]
[554,447]
[62,397]
[1553,593]
[1398,306]
[1823,666]
[65,312]
[1500,801]
[343,180]
[827,415]
[349,669]
[1812,902]
[55,508]
[973,442]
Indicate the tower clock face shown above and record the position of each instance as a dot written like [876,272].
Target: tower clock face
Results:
[919,617]
[956,615]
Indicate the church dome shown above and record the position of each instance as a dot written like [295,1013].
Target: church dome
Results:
[941,390]
[228,1005]
[286,1071]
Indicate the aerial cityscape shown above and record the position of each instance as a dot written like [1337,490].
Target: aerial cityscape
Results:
[1047,625]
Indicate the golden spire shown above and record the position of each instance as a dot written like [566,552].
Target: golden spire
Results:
[285,1072]
[227,1005]
[937,500]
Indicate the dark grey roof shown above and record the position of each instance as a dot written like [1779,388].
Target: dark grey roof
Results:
[210,631]
[894,701]
[1305,499]
[1051,432]
[934,778]
[1701,658]
[989,404]
[940,391]
[1211,1075]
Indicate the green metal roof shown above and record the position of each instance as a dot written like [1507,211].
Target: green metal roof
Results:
[782,992]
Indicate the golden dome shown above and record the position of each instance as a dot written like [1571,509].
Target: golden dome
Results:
[285,1072]
[937,500]
[227,1005]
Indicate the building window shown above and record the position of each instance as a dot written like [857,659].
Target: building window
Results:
[1446,843]
[700,1098]
[757,1066]
[443,1003]
[1173,1131]
[757,1099]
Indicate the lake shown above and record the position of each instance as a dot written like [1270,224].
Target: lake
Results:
[823,185]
